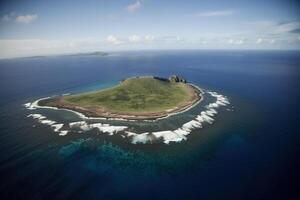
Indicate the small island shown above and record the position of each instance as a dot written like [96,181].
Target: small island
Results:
[142,97]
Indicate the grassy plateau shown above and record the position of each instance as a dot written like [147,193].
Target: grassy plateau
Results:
[137,94]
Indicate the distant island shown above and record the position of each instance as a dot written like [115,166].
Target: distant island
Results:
[95,53]
[141,97]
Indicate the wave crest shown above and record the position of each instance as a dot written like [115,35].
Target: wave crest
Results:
[166,136]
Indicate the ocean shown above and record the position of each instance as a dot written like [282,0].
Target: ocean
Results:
[249,150]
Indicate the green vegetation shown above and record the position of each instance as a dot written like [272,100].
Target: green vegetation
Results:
[138,94]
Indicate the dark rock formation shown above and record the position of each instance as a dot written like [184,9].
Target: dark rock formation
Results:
[176,79]
[161,78]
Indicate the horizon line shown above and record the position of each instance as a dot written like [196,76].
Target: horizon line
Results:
[145,50]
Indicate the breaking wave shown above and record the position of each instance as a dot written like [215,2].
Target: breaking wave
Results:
[181,133]
[56,126]
[166,136]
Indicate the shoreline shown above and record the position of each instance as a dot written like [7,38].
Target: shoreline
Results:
[179,134]
[85,114]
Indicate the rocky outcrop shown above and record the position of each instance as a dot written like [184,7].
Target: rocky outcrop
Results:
[176,79]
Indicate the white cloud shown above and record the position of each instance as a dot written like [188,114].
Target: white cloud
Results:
[287,27]
[240,41]
[272,27]
[179,38]
[113,40]
[134,38]
[259,40]
[215,13]
[236,41]
[170,38]
[26,19]
[230,41]
[149,38]
[134,6]
[272,41]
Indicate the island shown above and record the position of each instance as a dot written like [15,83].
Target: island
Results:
[135,98]
[95,53]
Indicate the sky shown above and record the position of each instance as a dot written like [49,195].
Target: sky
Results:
[35,27]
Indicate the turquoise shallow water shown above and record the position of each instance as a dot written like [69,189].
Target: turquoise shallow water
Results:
[249,152]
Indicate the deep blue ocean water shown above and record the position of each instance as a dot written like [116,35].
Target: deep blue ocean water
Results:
[251,152]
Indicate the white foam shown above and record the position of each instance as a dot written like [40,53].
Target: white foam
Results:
[77,124]
[43,120]
[221,100]
[169,136]
[166,136]
[80,124]
[142,138]
[189,126]
[57,127]
[205,117]
[211,112]
[47,122]
[106,128]
[34,105]
[36,116]
[213,105]
[129,134]
[27,105]
[182,132]
[63,133]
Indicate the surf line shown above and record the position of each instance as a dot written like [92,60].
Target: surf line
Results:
[34,105]
[167,136]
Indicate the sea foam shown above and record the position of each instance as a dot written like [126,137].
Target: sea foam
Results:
[142,138]
[166,136]
[180,134]
[105,128]
[169,136]
[53,124]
